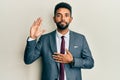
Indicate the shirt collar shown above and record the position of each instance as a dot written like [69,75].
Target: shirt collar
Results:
[60,35]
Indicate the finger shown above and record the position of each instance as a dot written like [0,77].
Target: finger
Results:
[57,56]
[66,50]
[55,53]
[61,55]
[38,22]
[58,59]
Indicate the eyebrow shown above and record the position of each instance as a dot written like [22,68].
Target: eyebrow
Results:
[60,13]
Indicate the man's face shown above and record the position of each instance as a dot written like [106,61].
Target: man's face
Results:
[62,18]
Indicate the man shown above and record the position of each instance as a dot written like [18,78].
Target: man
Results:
[64,52]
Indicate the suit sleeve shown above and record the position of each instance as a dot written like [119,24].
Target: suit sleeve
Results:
[86,60]
[32,51]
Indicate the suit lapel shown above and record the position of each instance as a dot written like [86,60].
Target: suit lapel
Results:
[53,44]
[71,41]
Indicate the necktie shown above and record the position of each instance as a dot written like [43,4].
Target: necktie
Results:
[62,51]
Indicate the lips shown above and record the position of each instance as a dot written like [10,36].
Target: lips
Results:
[63,23]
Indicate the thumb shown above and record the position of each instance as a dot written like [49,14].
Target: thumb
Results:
[67,51]
[43,30]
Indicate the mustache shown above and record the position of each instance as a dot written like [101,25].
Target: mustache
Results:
[61,22]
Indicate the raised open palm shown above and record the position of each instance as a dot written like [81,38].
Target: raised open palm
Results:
[35,30]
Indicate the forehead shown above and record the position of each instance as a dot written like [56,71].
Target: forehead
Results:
[63,10]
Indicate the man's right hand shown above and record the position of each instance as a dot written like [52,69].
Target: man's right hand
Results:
[35,30]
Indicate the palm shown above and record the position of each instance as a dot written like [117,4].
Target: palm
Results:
[35,30]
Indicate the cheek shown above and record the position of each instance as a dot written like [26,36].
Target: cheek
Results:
[70,20]
[57,20]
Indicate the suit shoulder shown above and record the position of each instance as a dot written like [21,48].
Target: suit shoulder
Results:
[77,34]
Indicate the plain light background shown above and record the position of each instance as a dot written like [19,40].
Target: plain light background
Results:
[98,20]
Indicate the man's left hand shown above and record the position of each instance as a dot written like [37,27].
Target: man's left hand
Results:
[63,58]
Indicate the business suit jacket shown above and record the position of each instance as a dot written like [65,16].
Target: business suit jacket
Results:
[46,46]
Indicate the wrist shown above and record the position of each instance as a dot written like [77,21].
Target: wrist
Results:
[32,37]
[72,62]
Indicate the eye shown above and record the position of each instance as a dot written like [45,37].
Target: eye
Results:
[58,15]
[67,15]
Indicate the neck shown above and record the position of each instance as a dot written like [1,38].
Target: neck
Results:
[63,32]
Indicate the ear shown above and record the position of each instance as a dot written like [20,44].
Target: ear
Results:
[71,18]
[54,19]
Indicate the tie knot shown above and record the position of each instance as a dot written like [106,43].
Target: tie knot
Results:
[62,37]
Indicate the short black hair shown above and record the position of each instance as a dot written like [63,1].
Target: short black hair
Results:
[63,5]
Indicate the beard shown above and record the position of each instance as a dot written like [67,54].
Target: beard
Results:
[61,26]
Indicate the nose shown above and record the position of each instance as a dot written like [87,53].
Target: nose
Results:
[63,18]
